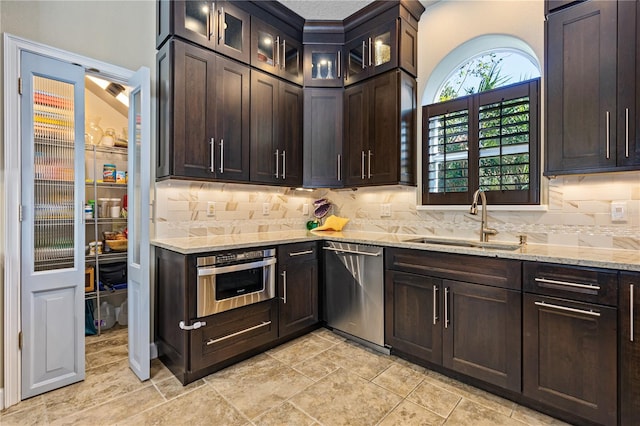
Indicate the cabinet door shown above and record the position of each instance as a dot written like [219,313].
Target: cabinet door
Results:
[581,88]
[383,48]
[482,332]
[323,65]
[413,315]
[291,60]
[629,314]
[298,290]
[232,132]
[356,133]
[383,149]
[194,111]
[357,60]
[191,20]
[408,54]
[265,46]
[628,147]
[290,134]
[323,138]
[265,151]
[232,31]
[570,356]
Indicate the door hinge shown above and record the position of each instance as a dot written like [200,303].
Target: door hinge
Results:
[20,85]
[20,340]
[20,213]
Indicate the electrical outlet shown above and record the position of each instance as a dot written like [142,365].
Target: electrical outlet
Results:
[385,210]
[266,209]
[618,211]
[305,209]
[211,208]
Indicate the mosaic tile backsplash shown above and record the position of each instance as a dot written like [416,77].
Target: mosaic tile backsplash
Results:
[578,212]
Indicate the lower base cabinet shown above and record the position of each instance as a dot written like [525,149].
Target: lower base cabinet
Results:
[629,327]
[297,287]
[466,326]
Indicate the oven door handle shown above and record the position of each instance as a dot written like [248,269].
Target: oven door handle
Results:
[205,272]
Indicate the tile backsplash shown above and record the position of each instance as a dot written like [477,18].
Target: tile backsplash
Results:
[578,212]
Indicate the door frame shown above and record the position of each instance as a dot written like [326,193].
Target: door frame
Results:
[13,46]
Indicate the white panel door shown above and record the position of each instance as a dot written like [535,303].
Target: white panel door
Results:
[52,229]
[138,223]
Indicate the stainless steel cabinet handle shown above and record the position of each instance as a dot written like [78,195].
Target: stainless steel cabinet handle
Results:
[211,148]
[300,253]
[364,47]
[212,8]
[237,333]
[339,67]
[284,282]
[370,61]
[362,168]
[631,312]
[221,155]
[446,307]
[277,51]
[626,132]
[435,304]
[221,26]
[339,164]
[284,54]
[277,154]
[568,284]
[568,309]
[608,138]
[284,163]
[351,251]
[369,166]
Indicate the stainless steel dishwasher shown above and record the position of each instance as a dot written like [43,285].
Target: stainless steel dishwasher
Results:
[354,291]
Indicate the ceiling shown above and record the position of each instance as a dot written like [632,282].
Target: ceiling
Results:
[330,9]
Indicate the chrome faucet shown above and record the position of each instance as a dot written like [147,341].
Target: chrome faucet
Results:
[484,230]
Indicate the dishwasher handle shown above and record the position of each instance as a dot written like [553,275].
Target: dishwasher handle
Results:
[352,251]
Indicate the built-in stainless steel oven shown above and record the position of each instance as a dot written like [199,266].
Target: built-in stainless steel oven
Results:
[230,280]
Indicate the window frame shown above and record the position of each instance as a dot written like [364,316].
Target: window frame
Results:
[473,103]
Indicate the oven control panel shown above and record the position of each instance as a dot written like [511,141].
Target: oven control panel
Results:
[235,257]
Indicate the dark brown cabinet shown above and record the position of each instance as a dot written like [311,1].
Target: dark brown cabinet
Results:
[276,130]
[218,25]
[203,114]
[569,340]
[276,52]
[323,65]
[465,318]
[592,69]
[323,158]
[380,130]
[297,287]
[629,338]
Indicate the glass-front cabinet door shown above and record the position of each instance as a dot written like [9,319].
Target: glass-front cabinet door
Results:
[357,59]
[323,66]
[275,52]
[372,53]
[220,25]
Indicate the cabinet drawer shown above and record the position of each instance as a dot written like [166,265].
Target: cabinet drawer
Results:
[572,282]
[503,273]
[232,333]
[297,252]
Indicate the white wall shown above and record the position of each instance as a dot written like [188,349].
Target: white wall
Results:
[117,32]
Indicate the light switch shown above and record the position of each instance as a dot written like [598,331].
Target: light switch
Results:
[618,211]
[305,209]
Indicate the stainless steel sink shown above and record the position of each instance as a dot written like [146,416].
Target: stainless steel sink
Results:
[490,245]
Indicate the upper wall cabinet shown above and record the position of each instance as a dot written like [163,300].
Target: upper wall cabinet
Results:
[203,114]
[275,52]
[217,25]
[379,42]
[593,95]
[323,65]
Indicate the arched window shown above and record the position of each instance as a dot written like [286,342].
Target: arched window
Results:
[481,127]
[487,71]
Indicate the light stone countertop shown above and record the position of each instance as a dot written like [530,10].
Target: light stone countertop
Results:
[628,260]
